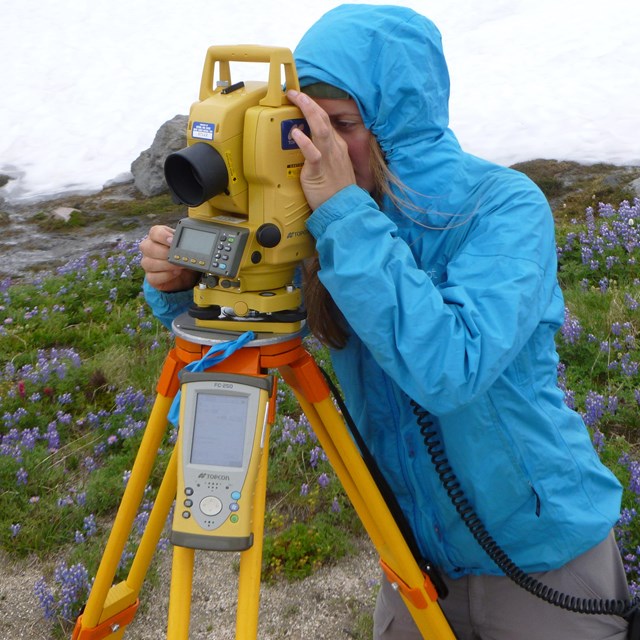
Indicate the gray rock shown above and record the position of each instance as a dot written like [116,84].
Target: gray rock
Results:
[148,167]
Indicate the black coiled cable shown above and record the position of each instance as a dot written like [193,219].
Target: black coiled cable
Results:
[435,449]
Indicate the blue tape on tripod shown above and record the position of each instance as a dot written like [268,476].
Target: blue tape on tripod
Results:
[216,354]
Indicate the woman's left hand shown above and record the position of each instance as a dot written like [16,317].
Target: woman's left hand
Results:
[327,168]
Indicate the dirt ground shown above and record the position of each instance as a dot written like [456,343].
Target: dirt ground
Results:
[326,606]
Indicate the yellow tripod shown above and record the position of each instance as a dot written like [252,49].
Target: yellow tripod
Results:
[110,608]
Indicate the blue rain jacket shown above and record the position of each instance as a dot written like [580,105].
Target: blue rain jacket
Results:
[453,302]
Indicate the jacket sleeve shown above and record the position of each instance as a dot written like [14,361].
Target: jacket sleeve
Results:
[166,306]
[442,343]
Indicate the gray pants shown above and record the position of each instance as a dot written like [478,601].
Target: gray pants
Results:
[495,608]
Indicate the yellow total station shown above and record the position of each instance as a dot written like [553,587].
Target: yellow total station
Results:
[240,177]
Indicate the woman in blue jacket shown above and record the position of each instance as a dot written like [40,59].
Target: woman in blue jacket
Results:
[435,281]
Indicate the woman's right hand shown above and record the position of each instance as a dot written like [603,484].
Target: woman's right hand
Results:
[327,164]
[160,273]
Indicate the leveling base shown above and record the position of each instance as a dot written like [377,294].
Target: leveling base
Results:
[110,608]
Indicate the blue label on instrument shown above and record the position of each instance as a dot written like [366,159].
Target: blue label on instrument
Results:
[287,126]
[202,130]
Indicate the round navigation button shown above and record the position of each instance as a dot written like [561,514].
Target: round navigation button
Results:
[210,506]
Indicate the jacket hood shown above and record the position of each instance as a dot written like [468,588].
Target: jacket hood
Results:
[390,60]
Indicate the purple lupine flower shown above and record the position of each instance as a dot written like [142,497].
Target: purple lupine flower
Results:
[604,285]
[323,480]
[46,599]
[594,408]
[629,367]
[571,329]
[627,516]
[22,476]
[598,440]
[315,456]
[74,586]
[89,525]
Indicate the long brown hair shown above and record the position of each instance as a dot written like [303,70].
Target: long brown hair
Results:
[324,319]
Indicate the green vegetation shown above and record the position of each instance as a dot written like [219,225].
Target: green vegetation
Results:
[80,356]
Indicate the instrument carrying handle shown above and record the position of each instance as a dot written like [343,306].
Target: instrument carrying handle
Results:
[276,57]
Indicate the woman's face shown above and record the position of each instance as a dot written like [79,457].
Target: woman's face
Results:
[347,122]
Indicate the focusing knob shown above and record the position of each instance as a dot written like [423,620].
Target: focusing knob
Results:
[268,235]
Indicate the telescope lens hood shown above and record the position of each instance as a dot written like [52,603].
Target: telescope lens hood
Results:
[196,174]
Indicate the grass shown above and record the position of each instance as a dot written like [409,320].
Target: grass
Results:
[49,223]
[80,356]
[80,359]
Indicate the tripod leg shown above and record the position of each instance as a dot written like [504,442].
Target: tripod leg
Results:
[249,575]
[251,559]
[155,524]
[180,594]
[397,560]
[399,564]
[106,602]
